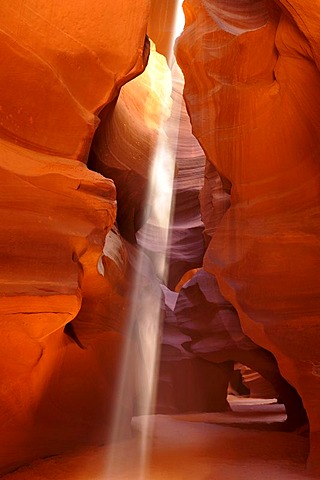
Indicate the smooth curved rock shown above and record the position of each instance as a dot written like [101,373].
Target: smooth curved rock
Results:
[136,117]
[186,243]
[252,97]
[214,201]
[161,25]
[187,383]
[53,237]
[216,336]
[60,65]
[82,56]
[258,386]
[186,248]
[238,16]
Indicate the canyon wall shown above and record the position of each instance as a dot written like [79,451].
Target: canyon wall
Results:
[252,82]
[252,77]
[135,118]
[61,320]
[161,25]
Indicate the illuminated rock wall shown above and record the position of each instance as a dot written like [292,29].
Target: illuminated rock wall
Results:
[161,24]
[252,83]
[252,72]
[186,234]
[135,118]
[186,243]
[61,63]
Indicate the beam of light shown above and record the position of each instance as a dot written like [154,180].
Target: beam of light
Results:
[141,349]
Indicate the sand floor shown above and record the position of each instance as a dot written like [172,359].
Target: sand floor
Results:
[243,444]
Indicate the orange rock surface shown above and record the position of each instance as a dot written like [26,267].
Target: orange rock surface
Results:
[186,245]
[136,118]
[82,55]
[161,25]
[252,83]
[61,63]
[216,336]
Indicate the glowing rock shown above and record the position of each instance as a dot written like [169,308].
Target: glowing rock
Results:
[186,233]
[136,118]
[82,56]
[252,78]
[53,234]
[161,25]
[214,201]
[60,65]
[186,248]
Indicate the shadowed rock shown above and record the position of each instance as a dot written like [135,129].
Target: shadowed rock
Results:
[216,336]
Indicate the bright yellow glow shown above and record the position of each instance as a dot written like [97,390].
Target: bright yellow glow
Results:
[144,322]
[180,20]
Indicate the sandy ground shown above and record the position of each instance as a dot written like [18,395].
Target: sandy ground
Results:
[243,444]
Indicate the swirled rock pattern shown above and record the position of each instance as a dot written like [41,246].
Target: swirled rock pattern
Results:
[252,77]
[73,50]
[186,242]
[136,117]
[187,383]
[161,25]
[216,336]
[61,63]
[186,232]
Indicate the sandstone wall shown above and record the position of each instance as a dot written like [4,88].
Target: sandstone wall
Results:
[61,63]
[252,83]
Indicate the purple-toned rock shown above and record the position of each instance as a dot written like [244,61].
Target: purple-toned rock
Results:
[216,336]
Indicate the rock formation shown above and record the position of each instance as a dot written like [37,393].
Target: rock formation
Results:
[80,57]
[252,77]
[186,242]
[187,383]
[61,64]
[136,117]
[161,25]
[216,336]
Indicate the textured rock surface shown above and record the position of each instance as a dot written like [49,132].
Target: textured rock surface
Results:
[252,77]
[252,80]
[82,54]
[216,336]
[186,234]
[51,243]
[60,64]
[136,117]
[186,243]
[257,385]
[187,383]
[214,201]
[161,25]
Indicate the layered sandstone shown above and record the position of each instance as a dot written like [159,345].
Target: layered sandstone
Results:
[161,25]
[137,117]
[217,337]
[187,383]
[52,240]
[82,56]
[252,77]
[61,64]
[185,247]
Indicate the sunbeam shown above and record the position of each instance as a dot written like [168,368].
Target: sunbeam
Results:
[144,324]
